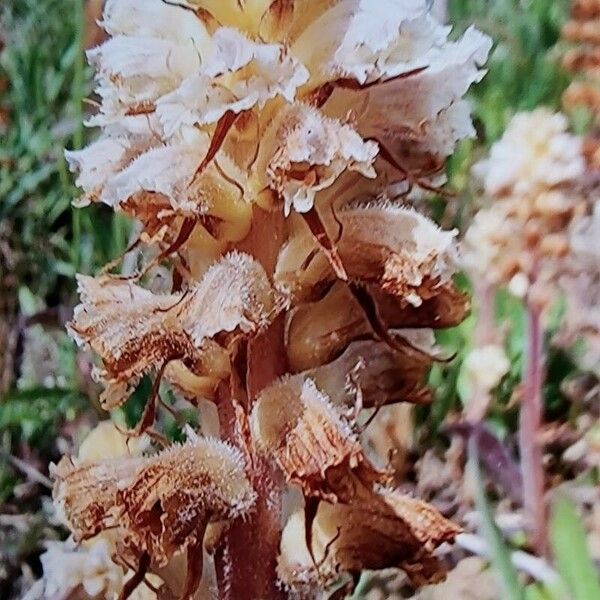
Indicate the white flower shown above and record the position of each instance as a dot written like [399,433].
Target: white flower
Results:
[269,71]
[518,285]
[349,72]
[485,243]
[535,151]
[68,566]
[484,367]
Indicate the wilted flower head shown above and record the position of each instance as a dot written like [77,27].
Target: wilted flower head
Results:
[161,505]
[134,330]
[268,149]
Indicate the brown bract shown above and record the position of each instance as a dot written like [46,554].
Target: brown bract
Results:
[135,331]
[379,529]
[160,505]
[309,439]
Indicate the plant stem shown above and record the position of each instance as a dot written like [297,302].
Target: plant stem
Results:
[530,422]
[246,560]
[78,93]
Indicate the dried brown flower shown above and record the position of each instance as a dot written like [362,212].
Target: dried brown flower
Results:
[391,247]
[378,529]
[135,331]
[309,439]
[162,504]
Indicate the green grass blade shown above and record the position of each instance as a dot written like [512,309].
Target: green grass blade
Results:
[567,537]
[500,554]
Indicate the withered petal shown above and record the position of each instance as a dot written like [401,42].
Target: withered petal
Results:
[162,503]
[393,248]
[308,438]
[134,331]
[319,332]
[379,529]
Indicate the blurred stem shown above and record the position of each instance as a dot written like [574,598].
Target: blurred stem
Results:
[530,422]
[78,94]
[79,74]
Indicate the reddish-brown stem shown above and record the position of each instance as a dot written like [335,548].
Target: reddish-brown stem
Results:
[529,430]
[246,559]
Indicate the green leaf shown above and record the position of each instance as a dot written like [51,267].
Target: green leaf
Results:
[500,553]
[536,592]
[568,540]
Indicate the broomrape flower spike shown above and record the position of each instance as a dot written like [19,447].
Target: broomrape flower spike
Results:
[536,237]
[267,149]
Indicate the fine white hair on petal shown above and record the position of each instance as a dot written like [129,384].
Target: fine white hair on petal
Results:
[393,245]
[132,56]
[234,293]
[302,140]
[133,330]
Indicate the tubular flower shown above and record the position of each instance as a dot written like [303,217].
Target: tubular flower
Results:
[161,505]
[267,149]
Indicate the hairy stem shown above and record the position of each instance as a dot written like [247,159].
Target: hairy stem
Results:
[530,422]
[247,558]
